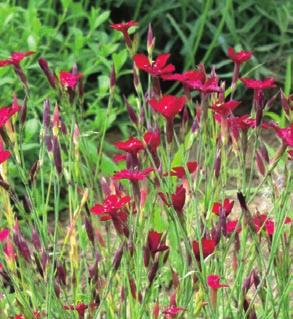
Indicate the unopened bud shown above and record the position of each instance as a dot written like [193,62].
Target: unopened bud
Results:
[118,257]
[131,112]
[57,155]
[150,40]
[45,67]
[36,240]
[153,272]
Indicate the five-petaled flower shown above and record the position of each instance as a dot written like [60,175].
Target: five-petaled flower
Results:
[239,57]
[112,206]
[15,58]
[68,79]
[132,145]
[258,85]
[226,207]
[8,111]
[169,106]
[172,311]
[157,68]
[133,175]
[225,108]
[123,27]
[213,282]
[180,171]
[152,139]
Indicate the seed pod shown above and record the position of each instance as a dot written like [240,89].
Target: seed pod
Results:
[50,76]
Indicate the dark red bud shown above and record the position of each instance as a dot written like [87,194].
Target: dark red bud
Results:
[23,111]
[217,164]
[260,163]
[89,230]
[118,257]
[153,272]
[146,256]
[131,112]
[112,78]
[264,152]
[45,67]
[34,170]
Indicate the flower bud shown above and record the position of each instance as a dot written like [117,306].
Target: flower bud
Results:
[46,114]
[260,163]
[89,230]
[61,274]
[217,164]
[112,79]
[153,272]
[23,111]
[150,40]
[50,76]
[131,112]
[118,257]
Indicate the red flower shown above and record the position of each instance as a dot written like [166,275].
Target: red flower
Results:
[240,56]
[290,155]
[227,207]
[178,199]
[15,58]
[180,172]
[4,155]
[133,175]
[119,158]
[205,85]
[68,79]
[4,233]
[19,316]
[258,85]
[155,243]
[7,112]
[270,227]
[80,308]
[133,145]
[173,311]
[198,75]
[156,68]
[208,247]
[111,206]
[286,134]
[169,106]
[259,221]
[231,226]
[226,108]
[124,26]
[152,139]
[213,282]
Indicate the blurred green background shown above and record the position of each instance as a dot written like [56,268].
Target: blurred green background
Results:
[69,31]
